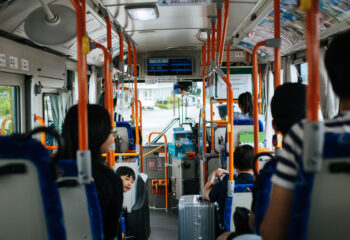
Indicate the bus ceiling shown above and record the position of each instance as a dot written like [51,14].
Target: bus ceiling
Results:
[181,27]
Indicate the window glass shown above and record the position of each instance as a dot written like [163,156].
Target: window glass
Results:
[304,73]
[158,108]
[9,110]
[53,115]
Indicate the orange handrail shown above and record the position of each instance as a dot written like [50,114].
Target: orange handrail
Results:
[213,40]
[208,49]
[109,86]
[121,47]
[277,30]
[136,100]
[141,147]
[42,124]
[312,57]
[123,154]
[224,30]
[165,163]
[255,99]
[212,129]
[43,140]
[3,125]
[79,6]
[230,113]
[108,95]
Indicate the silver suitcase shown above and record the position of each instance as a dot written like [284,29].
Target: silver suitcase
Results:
[197,218]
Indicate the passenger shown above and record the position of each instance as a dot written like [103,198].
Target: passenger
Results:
[288,106]
[276,221]
[245,104]
[216,192]
[109,186]
[128,177]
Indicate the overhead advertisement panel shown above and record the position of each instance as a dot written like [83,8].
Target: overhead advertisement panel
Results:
[293,24]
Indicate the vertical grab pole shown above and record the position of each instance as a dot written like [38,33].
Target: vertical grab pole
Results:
[312,57]
[141,147]
[165,163]
[224,30]
[83,48]
[136,102]
[277,30]
[109,87]
[204,114]
[219,16]
[108,95]
[255,100]
[130,72]
[230,114]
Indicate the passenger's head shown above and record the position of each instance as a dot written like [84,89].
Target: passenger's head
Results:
[243,157]
[99,130]
[245,103]
[128,177]
[337,63]
[288,106]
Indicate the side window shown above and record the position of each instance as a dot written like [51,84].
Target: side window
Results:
[304,73]
[53,115]
[9,110]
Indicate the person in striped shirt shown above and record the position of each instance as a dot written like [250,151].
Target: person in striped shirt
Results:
[337,62]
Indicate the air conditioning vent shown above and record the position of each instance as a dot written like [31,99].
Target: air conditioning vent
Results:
[5,3]
[183,2]
[183,48]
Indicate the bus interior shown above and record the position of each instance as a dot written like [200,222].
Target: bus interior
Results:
[169,73]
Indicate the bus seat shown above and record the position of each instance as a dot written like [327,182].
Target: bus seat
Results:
[81,209]
[319,200]
[124,130]
[139,217]
[30,203]
[242,197]
[263,193]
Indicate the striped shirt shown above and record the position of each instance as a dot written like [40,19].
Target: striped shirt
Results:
[290,155]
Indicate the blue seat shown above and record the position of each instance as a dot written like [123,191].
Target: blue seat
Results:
[129,132]
[320,205]
[30,203]
[87,214]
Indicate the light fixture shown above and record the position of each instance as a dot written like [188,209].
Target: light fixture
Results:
[142,12]
[202,35]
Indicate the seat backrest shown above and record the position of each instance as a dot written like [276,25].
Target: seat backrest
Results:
[81,209]
[242,197]
[124,130]
[321,204]
[30,204]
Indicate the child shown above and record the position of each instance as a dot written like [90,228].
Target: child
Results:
[128,177]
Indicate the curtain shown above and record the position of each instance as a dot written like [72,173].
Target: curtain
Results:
[93,87]
[268,83]
[329,101]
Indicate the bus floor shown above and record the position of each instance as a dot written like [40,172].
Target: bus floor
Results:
[163,225]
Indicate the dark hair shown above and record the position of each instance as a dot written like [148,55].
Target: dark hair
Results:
[98,130]
[243,157]
[288,105]
[125,171]
[337,63]
[245,100]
